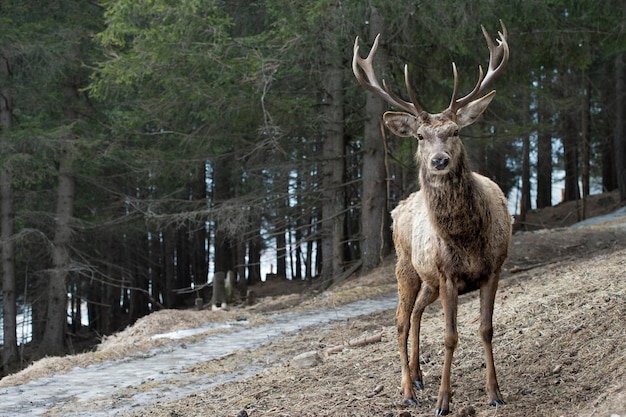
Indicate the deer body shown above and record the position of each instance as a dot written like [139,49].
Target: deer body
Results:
[452,236]
[474,250]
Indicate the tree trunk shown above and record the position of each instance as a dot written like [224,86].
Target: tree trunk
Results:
[544,157]
[157,265]
[281,246]
[309,271]
[254,252]
[606,130]
[297,273]
[200,266]
[375,218]
[169,249]
[317,270]
[240,267]
[222,191]
[525,199]
[609,178]
[9,296]
[56,318]
[584,128]
[619,138]
[184,258]
[333,149]
[570,155]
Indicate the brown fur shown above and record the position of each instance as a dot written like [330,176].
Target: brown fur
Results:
[451,236]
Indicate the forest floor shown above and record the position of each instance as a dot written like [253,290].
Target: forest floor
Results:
[559,342]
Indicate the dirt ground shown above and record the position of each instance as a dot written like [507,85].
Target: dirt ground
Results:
[559,342]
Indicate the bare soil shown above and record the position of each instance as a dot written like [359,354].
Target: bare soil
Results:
[559,342]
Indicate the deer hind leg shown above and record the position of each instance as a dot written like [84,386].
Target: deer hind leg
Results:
[409,284]
[487,299]
[449,299]
[425,297]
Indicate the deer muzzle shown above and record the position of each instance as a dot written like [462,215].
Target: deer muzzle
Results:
[439,161]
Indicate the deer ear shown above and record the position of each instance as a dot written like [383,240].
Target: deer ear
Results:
[468,114]
[401,124]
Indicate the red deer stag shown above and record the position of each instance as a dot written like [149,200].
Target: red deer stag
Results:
[452,236]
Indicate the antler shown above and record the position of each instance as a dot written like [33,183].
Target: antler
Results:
[372,84]
[495,53]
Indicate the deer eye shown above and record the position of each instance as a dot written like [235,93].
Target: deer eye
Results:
[420,137]
[456,133]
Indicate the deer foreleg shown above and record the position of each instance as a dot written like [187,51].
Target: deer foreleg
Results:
[424,298]
[487,299]
[449,295]
[408,286]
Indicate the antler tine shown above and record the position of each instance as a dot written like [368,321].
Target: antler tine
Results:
[371,84]
[407,82]
[497,53]
[455,90]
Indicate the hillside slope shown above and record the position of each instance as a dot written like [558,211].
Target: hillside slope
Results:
[560,348]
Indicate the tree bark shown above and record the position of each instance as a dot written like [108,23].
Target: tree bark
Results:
[619,138]
[254,252]
[584,128]
[606,130]
[544,157]
[308,265]
[375,218]
[609,177]
[200,267]
[169,250]
[281,248]
[525,199]
[222,191]
[9,296]
[570,151]
[333,150]
[56,318]
[240,266]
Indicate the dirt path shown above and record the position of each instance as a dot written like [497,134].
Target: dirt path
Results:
[167,373]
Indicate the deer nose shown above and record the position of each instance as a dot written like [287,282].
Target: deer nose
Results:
[440,163]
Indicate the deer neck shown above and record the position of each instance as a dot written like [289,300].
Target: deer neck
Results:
[454,205]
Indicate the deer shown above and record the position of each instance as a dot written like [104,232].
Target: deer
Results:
[452,236]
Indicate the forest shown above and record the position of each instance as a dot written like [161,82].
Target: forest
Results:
[147,144]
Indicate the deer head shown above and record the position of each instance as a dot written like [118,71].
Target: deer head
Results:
[440,150]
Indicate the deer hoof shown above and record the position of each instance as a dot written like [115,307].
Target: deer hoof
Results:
[497,403]
[419,385]
[440,412]
[411,401]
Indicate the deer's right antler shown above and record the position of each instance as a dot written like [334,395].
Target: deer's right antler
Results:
[372,84]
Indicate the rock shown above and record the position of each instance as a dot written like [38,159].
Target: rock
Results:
[307,360]
[468,411]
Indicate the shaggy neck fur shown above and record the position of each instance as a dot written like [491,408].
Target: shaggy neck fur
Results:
[454,206]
